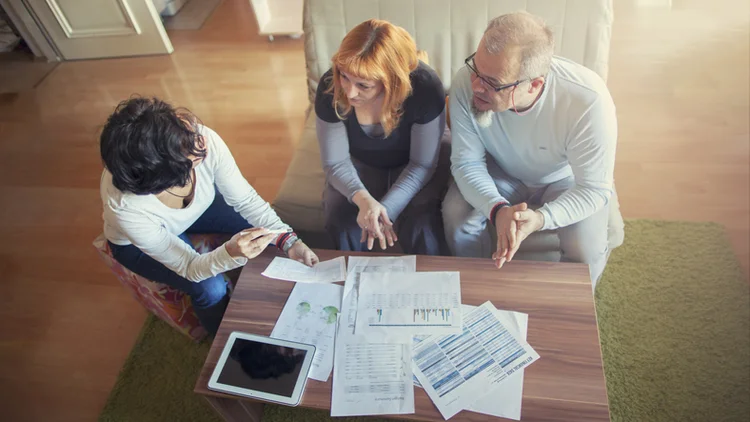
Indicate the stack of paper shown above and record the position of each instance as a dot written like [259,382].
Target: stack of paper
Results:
[459,371]
[370,378]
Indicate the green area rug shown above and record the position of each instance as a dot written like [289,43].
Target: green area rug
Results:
[674,317]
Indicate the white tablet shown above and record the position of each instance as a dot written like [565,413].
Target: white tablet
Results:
[263,368]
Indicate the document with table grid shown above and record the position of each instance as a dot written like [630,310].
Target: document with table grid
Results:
[505,401]
[457,370]
[370,378]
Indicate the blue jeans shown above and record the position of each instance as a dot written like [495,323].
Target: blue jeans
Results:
[210,296]
[469,235]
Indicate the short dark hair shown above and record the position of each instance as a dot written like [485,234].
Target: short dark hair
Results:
[145,144]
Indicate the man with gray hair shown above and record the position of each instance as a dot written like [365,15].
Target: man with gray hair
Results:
[530,130]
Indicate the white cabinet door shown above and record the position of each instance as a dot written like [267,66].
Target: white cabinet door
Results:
[90,29]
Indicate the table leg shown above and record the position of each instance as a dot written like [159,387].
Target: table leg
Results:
[237,410]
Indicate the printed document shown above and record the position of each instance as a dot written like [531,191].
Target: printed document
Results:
[359,265]
[396,307]
[309,316]
[457,369]
[287,269]
[370,378]
[505,400]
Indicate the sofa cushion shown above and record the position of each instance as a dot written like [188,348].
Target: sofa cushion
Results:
[299,202]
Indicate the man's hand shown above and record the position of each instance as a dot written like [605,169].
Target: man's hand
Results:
[506,228]
[527,222]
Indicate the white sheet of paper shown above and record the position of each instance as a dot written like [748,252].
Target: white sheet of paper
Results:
[370,378]
[505,400]
[287,269]
[309,316]
[396,307]
[415,340]
[454,382]
[359,265]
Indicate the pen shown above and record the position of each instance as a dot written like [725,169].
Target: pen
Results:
[277,231]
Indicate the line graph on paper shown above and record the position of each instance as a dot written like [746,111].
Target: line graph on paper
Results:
[410,309]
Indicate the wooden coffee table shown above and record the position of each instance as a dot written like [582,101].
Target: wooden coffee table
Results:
[566,384]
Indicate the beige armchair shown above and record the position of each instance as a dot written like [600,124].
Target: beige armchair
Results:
[449,31]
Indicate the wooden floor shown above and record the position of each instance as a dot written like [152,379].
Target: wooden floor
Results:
[20,70]
[679,77]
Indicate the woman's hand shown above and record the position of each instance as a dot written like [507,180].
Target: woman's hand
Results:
[371,214]
[388,233]
[302,253]
[249,243]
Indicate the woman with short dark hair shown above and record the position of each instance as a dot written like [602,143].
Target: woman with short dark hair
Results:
[167,175]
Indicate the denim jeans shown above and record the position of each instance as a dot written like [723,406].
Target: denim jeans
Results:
[210,296]
[468,233]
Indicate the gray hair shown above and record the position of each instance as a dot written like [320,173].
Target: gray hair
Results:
[527,32]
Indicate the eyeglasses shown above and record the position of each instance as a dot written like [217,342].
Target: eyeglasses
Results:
[470,64]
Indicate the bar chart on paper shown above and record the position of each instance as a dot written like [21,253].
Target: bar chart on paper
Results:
[424,314]
[389,310]
[359,265]
[416,303]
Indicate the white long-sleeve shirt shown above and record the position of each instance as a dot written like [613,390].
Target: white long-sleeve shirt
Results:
[144,221]
[570,131]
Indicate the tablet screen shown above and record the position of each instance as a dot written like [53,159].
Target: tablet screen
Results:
[262,367]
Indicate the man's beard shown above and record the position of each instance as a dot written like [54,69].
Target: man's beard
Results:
[483,118]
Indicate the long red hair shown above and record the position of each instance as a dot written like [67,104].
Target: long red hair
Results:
[376,50]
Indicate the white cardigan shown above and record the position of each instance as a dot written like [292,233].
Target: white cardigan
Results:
[144,221]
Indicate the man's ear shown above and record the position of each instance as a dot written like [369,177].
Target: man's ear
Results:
[536,84]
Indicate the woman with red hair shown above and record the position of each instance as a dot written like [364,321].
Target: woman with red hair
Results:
[380,117]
